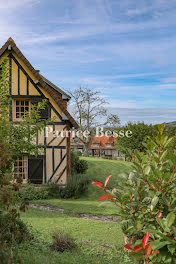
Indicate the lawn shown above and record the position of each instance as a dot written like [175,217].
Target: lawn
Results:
[98,170]
[94,238]
[82,229]
[96,233]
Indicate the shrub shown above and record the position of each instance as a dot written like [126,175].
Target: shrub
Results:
[53,190]
[81,166]
[76,186]
[78,153]
[78,165]
[29,192]
[62,241]
[146,198]
[14,225]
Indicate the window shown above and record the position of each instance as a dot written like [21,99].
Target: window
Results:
[21,108]
[96,144]
[21,168]
[108,145]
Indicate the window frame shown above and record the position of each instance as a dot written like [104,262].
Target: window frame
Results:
[23,174]
[14,107]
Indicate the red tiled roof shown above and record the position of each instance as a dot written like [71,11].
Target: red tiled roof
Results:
[103,142]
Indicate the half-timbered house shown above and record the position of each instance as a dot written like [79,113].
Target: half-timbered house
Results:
[27,87]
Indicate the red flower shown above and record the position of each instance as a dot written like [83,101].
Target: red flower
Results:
[145,239]
[99,184]
[107,179]
[146,248]
[105,196]
[135,249]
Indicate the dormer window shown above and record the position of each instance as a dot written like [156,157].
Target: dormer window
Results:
[21,108]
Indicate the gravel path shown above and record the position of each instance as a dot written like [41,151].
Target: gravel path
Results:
[105,218]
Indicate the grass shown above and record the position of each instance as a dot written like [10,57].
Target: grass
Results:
[98,170]
[96,232]
[35,253]
[45,223]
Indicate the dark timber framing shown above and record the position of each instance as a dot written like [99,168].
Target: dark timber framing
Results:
[18,80]
[27,86]
[32,82]
[57,167]
[45,176]
[26,81]
[53,158]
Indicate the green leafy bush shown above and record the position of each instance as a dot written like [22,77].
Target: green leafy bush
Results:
[29,192]
[62,241]
[78,165]
[146,198]
[78,153]
[76,186]
[53,190]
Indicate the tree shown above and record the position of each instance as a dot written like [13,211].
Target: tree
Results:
[89,109]
[112,121]
[171,132]
[139,132]
[15,140]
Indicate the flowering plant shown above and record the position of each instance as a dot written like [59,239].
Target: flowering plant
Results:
[146,198]
[144,251]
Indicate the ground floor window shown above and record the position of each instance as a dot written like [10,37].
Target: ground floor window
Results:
[21,168]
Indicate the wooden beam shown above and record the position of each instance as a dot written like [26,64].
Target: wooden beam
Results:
[18,80]
[60,175]
[53,159]
[68,156]
[57,167]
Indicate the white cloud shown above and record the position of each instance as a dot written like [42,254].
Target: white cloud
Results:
[10,5]
[169,80]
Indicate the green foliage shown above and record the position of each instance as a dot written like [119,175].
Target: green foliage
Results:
[29,192]
[14,141]
[139,133]
[78,153]
[171,132]
[62,241]
[76,186]
[77,165]
[146,197]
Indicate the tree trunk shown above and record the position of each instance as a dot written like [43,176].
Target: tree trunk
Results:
[86,149]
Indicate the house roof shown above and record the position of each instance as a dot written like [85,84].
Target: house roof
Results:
[55,92]
[103,142]
[64,95]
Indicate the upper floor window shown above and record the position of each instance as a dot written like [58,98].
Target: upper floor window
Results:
[21,108]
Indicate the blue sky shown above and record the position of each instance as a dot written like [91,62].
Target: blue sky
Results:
[126,49]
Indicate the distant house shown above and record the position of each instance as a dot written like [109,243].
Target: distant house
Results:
[104,147]
[99,147]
